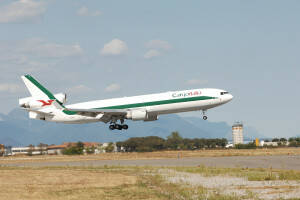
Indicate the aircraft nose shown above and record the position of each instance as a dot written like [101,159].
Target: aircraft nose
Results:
[227,98]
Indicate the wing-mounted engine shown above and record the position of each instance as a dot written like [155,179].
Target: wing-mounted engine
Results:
[136,115]
[151,118]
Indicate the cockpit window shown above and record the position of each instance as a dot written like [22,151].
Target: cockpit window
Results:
[222,93]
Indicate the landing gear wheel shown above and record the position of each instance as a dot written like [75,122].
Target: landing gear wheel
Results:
[125,126]
[118,126]
[205,117]
[112,127]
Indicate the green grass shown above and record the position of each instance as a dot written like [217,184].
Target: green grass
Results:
[159,188]
[252,174]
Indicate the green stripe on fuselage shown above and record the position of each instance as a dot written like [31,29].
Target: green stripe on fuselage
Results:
[151,103]
[156,103]
[68,112]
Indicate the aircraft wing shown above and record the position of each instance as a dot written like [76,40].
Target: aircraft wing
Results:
[107,114]
[39,112]
[97,111]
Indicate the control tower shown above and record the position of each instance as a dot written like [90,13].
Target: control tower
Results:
[237,133]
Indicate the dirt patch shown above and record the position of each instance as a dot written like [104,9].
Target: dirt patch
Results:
[238,186]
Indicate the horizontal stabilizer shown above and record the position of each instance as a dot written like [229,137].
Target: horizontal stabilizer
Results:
[39,112]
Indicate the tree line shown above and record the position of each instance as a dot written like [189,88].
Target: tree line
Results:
[173,142]
[80,149]
[294,142]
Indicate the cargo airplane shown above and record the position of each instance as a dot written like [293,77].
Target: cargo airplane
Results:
[43,105]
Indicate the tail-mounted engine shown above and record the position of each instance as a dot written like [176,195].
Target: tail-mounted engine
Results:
[34,103]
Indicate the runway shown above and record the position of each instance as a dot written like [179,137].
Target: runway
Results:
[275,162]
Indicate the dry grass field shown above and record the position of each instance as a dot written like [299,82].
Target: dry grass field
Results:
[157,155]
[57,183]
[124,183]
[145,182]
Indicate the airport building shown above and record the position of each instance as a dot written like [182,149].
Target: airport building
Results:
[26,150]
[237,133]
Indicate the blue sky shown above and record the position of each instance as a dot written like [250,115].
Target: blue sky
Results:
[104,49]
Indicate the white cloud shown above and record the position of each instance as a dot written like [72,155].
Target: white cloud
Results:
[196,82]
[19,51]
[114,47]
[22,11]
[79,89]
[32,66]
[42,48]
[151,54]
[84,11]
[13,58]
[10,87]
[113,87]
[158,44]
[157,48]
[35,54]
[22,63]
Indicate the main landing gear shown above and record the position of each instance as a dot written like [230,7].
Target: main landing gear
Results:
[121,126]
[204,116]
[118,126]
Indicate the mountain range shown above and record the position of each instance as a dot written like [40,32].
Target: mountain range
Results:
[17,129]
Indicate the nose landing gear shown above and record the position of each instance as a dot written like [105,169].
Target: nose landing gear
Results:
[204,116]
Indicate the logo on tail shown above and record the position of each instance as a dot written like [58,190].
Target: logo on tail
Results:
[46,103]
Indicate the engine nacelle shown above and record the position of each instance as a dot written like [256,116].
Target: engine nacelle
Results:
[24,102]
[151,118]
[61,97]
[136,115]
[30,103]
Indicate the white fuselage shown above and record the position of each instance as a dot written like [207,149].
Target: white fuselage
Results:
[153,104]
